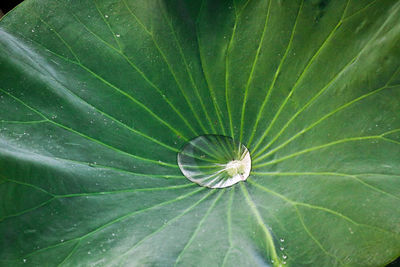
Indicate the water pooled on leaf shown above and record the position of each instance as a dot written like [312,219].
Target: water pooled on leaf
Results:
[215,161]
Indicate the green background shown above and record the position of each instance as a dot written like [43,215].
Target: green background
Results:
[98,97]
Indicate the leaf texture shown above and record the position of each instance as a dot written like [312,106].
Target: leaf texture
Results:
[97,97]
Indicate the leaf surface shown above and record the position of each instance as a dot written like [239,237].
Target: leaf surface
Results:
[98,97]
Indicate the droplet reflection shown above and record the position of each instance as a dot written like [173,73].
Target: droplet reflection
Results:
[215,161]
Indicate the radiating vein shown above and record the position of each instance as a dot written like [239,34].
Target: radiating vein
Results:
[313,238]
[249,80]
[96,165]
[205,73]
[300,78]
[131,98]
[307,150]
[200,224]
[277,72]
[112,222]
[167,224]
[142,74]
[295,204]
[323,90]
[228,50]
[361,10]
[88,137]
[29,185]
[391,140]
[58,35]
[229,225]
[131,190]
[168,65]
[56,196]
[23,122]
[268,237]
[352,176]
[327,210]
[44,203]
[196,89]
[74,248]
[106,115]
[108,25]
[257,156]
[115,87]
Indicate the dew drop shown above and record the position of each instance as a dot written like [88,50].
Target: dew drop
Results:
[282,240]
[214,161]
[24,260]
[282,248]
[118,35]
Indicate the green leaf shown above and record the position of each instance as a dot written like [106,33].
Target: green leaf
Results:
[98,97]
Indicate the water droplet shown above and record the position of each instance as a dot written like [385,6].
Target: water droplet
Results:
[284,262]
[118,35]
[282,248]
[24,260]
[215,161]
[284,256]
[106,16]
[89,252]
[282,240]
[33,30]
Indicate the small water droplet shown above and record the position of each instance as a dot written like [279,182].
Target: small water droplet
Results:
[118,35]
[282,240]
[284,256]
[215,161]
[89,252]
[24,260]
[284,262]
[106,16]
[282,248]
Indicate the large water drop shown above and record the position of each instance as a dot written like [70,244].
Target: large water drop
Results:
[215,161]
